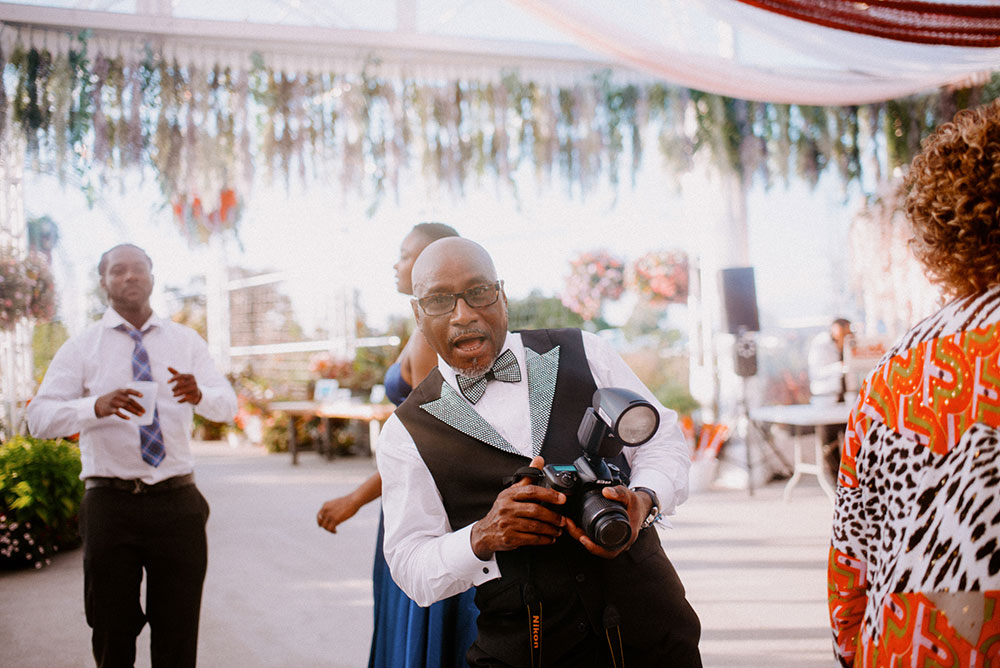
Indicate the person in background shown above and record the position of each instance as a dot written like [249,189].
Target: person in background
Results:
[406,635]
[914,568]
[826,362]
[827,384]
[498,401]
[141,510]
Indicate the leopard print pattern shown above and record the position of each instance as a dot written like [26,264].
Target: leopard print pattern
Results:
[931,522]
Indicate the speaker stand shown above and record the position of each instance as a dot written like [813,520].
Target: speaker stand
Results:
[746,425]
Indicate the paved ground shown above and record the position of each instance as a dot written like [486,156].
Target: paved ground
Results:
[281,592]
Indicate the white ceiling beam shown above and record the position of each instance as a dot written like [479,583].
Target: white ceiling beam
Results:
[393,45]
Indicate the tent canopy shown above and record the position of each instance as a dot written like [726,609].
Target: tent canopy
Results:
[790,52]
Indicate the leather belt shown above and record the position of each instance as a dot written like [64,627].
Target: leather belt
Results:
[136,486]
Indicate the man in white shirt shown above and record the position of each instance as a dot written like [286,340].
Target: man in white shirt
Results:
[827,385]
[451,523]
[826,362]
[141,509]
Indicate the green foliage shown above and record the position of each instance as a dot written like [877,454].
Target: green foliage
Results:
[206,430]
[539,312]
[676,396]
[40,494]
[665,376]
[46,339]
[370,365]
[307,433]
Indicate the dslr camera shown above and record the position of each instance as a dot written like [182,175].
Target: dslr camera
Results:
[618,418]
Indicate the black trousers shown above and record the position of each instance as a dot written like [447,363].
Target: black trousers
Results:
[163,534]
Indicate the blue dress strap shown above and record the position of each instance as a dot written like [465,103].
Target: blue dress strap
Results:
[396,388]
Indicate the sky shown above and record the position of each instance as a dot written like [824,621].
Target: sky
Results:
[326,243]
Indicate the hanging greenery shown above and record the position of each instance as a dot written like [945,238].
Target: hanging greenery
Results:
[205,131]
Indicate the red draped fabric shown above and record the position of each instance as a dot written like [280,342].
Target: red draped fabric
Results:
[920,22]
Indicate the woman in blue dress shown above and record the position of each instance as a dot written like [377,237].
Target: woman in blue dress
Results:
[406,635]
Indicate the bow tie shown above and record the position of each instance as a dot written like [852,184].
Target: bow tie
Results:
[505,369]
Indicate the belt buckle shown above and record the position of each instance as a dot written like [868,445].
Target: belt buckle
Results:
[137,486]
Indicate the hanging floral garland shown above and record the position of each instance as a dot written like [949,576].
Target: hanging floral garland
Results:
[197,224]
[660,277]
[206,130]
[594,277]
[27,289]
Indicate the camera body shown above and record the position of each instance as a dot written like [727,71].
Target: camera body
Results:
[618,418]
[603,520]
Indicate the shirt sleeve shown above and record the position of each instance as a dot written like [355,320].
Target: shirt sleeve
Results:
[218,401]
[59,408]
[662,463]
[427,559]
[847,569]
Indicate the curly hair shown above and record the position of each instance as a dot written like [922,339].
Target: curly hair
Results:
[953,202]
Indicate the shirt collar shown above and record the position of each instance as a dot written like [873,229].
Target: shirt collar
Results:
[512,341]
[112,319]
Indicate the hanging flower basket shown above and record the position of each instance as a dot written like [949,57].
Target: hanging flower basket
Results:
[661,277]
[197,224]
[594,277]
[27,289]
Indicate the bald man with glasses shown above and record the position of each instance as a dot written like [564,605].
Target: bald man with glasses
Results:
[499,402]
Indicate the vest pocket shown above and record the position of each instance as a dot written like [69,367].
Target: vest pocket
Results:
[504,621]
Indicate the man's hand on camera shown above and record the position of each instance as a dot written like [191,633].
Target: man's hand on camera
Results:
[637,505]
[518,518]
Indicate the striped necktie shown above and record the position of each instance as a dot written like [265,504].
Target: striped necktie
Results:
[150,436]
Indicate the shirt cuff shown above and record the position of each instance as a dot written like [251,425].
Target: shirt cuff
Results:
[85,409]
[460,560]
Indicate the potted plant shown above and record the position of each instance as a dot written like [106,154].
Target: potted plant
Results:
[40,494]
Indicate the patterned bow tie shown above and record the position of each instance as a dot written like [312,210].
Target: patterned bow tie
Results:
[505,369]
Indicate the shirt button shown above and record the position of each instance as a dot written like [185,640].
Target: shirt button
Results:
[580,577]
[486,570]
[581,627]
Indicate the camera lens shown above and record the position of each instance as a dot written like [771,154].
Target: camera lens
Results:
[604,520]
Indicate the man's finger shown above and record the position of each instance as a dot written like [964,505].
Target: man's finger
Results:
[537,494]
[536,463]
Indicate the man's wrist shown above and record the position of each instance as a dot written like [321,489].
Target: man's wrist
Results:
[653,514]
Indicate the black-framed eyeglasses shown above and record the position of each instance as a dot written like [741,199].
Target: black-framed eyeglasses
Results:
[479,296]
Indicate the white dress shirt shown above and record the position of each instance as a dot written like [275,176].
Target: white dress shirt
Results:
[99,360]
[826,366]
[431,562]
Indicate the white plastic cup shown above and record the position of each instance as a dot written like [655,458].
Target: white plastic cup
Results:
[147,400]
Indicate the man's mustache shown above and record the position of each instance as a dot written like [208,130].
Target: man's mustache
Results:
[467,332]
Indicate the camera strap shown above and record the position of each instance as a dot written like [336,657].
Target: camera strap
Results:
[613,633]
[523,472]
[534,605]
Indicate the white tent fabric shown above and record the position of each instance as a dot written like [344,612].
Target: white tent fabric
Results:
[733,49]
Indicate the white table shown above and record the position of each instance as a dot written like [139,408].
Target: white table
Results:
[805,415]
[373,414]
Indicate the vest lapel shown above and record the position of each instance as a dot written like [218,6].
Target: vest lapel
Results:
[452,409]
[542,371]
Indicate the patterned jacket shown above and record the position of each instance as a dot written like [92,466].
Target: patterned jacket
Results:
[914,569]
